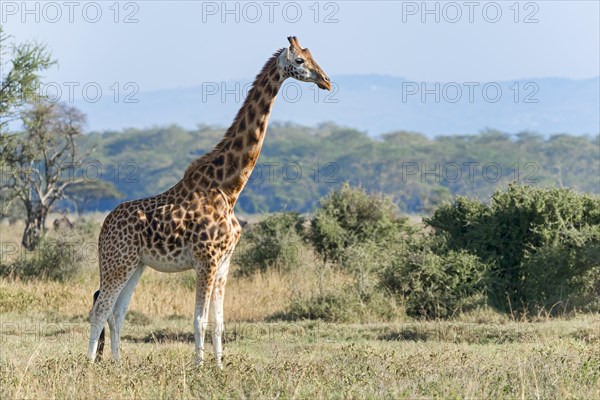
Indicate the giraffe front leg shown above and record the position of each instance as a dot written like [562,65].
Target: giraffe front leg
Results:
[200,322]
[216,307]
[204,281]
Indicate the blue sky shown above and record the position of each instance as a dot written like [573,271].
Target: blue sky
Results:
[185,43]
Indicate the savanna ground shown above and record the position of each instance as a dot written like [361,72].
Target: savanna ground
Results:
[482,354]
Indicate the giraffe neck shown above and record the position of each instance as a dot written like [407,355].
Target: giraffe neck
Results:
[229,165]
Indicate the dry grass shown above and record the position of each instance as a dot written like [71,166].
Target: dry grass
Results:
[251,298]
[553,359]
[44,334]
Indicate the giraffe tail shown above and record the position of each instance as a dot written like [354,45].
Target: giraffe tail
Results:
[101,338]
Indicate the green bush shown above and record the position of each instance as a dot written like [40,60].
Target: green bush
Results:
[365,261]
[350,216]
[462,224]
[434,285]
[566,273]
[54,259]
[274,242]
[530,237]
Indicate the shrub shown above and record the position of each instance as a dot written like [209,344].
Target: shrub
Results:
[350,216]
[564,274]
[434,285]
[462,224]
[365,261]
[520,223]
[275,242]
[54,259]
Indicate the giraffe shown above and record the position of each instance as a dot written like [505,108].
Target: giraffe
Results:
[192,225]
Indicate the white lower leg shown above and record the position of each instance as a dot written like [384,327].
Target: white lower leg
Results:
[217,316]
[204,286]
[115,323]
[217,343]
[93,347]
[95,329]
[117,319]
[200,323]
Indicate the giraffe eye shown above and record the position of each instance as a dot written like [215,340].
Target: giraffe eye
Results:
[299,61]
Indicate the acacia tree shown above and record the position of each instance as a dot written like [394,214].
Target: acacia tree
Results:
[20,68]
[41,163]
[90,193]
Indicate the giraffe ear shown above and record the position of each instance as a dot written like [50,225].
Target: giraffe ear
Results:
[285,55]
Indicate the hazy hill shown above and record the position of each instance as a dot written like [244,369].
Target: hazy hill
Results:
[375,104]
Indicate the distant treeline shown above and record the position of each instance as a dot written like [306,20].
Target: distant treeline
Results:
[299,165]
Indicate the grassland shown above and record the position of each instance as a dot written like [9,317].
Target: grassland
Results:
[44,334]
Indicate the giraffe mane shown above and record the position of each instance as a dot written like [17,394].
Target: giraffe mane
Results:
[208,157]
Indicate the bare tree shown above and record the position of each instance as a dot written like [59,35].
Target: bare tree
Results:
[41,163]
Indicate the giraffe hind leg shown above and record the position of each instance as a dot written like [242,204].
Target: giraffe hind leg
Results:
[105,304]
[116,320]
[100,348]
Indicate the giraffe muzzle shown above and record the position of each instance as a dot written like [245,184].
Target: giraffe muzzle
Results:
[324,82]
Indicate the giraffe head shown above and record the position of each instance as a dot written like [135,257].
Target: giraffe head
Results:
[298,63]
